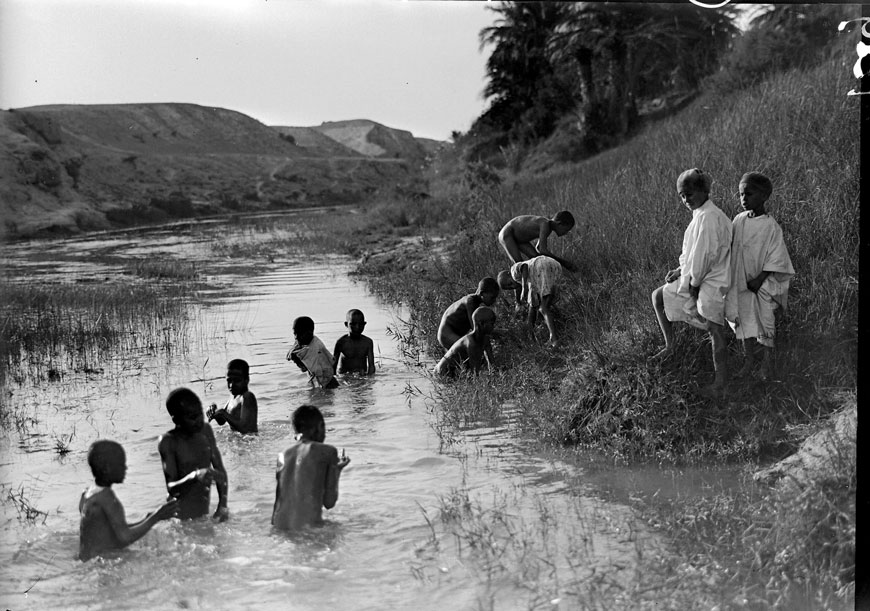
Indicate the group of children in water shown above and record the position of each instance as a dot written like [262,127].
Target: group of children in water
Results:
[729,271]
[306,474]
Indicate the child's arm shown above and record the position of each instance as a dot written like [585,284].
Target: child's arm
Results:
[333,471]
[247,422]
[755,284]
[176,483]
[336,353]
[470,305]
[370,357]
[128,533]
[220,476]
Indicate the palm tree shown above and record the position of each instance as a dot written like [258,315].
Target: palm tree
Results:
[625,51]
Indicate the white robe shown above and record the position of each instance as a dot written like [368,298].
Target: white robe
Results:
[757,246]
[705,262]
[317,360]
[544,273]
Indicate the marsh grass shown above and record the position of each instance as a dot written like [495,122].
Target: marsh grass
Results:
[21,499]
[53,330]
[599,392]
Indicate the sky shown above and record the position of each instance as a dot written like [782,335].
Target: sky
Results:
[412,65]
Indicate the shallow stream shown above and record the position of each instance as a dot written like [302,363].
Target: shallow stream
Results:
[529,534]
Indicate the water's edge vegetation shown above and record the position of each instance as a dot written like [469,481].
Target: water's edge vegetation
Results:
[756,547]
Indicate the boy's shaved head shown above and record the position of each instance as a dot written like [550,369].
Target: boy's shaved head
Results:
[564,218]
[303,324]
[306,418]
[505,281]
[180,397]
[482,314]
[239,365]
[696,179]
[487,285]
[103,455]
[354,312]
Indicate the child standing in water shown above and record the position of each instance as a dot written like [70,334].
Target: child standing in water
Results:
[104,526]
[472,348]
[761,271]
[311,355]
[191,459]
[457,318]
[695,291]
[354,352]
[307,473]
[240,412]
[525,237]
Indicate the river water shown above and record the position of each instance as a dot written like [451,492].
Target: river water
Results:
[525,533]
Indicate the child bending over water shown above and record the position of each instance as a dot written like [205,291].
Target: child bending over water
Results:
[471,349]
[354,352]
[538,278]
[525,237]
[104,526]
[311,355]
[240,412]
[457,318]
[191,459]
[307,473]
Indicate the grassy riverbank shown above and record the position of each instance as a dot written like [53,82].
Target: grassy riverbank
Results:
[750,548]
[598,392]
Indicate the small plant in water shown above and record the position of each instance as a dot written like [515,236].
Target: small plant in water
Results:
[62,443]
[24,506]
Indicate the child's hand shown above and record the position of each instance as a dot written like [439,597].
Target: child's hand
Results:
[209,413]
[672,275]
[222,514]
[343,460]
[755,284]
[206,476]
[167,510]
[220,416]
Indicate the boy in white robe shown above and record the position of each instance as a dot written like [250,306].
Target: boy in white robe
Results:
[310,354]
[761,270]
[695,291]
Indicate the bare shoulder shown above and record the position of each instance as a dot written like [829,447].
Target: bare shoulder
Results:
[324,450]
[167,441]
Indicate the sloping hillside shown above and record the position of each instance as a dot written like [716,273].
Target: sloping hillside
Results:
[315,142]
[68,168]
[374,140]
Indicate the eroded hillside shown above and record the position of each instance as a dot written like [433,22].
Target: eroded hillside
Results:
[68,168]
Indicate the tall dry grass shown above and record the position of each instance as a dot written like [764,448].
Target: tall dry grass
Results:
[759,549]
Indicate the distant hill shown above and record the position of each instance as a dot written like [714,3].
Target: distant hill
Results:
[67,168]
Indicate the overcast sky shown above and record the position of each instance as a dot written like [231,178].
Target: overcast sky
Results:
[409,65]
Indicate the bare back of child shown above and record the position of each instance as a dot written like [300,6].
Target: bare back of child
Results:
[472,349]
[525,236]
[457,318]
[104,526]
[354,352]
[307,474]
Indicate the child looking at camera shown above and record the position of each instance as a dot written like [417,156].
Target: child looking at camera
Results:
[191,459]
[240,412]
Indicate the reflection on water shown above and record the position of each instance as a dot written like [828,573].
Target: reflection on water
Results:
[383,545]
